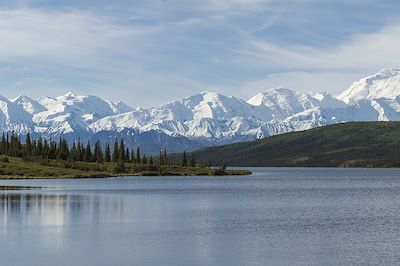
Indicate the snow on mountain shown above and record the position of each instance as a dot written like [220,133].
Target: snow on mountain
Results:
[207,105]
[204,115]
[121,107]
[203,119]
[384,84]
[72,113]
[29,105]
[284,102]
[13,117]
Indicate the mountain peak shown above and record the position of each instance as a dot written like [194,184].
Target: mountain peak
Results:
[388,72]
[68,95]
[209,94]
[272,93]
[28,104]
[20,97]
[383,84]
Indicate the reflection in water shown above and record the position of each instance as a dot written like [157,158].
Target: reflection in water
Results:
[57,209]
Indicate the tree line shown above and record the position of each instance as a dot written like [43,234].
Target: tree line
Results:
[11,145]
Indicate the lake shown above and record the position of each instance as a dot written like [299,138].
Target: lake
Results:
[278,216]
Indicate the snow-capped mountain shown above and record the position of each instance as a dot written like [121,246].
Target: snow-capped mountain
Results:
[384,84]
[284,102]
[203,119]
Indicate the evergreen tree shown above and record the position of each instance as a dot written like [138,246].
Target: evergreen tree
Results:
[184,159]
[121,151]
[79,151]
[63,150]
[45,151]
[87,157]
[115,156]
[7,144]
[98,153]
[107,153]
[28,145]
[151,161]
[133,160]
[193,161]
[165,158]
[127,156]
[160,158]
[3,144]
[82,152]
[72,154]
[144,159]
[40,147]
[138,155]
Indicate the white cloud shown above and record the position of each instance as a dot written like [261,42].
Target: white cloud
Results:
[361,52]
[330,69]
[60,35]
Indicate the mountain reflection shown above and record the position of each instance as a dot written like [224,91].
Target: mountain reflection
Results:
[57,209]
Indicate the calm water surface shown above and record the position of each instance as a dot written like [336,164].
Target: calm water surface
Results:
[277,216]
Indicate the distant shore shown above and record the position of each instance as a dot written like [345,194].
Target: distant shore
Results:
[17,168]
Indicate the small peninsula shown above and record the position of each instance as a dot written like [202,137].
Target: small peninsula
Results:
[43,158]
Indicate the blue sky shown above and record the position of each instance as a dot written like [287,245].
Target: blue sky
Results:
[151,52]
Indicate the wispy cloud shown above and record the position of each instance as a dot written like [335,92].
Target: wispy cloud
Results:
[313,68]
[62,35]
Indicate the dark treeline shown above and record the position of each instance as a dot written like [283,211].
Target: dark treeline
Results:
[11,145]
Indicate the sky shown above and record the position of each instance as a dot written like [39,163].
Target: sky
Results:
[154,51]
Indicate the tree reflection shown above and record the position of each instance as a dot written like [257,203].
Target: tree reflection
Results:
[57,209]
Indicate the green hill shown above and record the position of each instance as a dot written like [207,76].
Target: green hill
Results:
[357,144]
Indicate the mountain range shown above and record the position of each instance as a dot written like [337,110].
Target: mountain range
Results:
[204,119]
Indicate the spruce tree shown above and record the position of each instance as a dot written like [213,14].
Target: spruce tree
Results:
[115,156]
[28,145]
[82,152]
[160,158]
[63,150]
[3,143]
[46,148]
[40,146]
[121,151]
[184,159]
[138,155]
[87,157]
[165,158]
[193,161]
[79,151]
[127,155]
[98,153]
[107,153]
[133,160]
[72,154]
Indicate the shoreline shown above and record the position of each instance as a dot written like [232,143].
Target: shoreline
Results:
[102,176]
[17,168]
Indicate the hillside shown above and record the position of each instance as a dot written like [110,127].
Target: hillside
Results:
[356,144]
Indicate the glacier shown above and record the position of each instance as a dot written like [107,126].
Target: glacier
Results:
[204,119]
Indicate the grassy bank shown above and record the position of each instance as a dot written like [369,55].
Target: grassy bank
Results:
[18,168]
